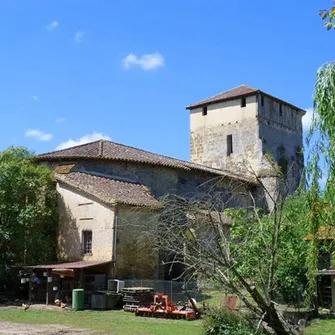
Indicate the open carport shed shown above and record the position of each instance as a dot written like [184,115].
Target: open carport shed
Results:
[72,272]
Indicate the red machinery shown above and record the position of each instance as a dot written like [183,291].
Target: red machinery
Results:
[162,307]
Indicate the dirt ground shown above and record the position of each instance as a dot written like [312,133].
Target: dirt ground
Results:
[11,328]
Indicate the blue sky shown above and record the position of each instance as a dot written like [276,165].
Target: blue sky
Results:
[77,70]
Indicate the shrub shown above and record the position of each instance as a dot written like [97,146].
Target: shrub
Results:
[226,322]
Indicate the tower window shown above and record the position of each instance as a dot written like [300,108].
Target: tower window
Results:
[243,102]
[229,145]
[262,100]
[280,110]
[204,111]
[87,241]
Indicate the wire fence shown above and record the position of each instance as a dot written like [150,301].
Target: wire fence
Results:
[175,289]
[201,291]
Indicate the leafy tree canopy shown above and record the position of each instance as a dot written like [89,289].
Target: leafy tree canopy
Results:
[321,163]
[28,210]
[252,256]
[328,16]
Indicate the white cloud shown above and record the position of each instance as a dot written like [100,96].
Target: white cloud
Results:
[52,25]
[84,139]
[38,135]
[146,62]
[60,120]
[79,36]
[35,98]
[307,119]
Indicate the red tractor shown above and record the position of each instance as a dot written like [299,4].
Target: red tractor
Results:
[162,307]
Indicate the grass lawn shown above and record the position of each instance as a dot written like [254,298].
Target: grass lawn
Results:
[122,323]
[324,327]
[115,322]
[213,297]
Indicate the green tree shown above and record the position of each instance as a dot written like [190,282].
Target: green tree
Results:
[321,164]
[28,210]
[328,16]
[253,255]
[321,160]
[245,251]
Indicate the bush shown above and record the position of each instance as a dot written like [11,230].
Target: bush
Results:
[226,322]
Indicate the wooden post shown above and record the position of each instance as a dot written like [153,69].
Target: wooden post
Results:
[81,278]
[47,296]
[332,278]
[30,286]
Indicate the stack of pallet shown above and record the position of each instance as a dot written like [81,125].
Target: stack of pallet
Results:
[133,297]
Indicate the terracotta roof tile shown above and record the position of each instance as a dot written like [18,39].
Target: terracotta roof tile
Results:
[104,149]
[237,92]
[109,190]
[226,95]
[63,169]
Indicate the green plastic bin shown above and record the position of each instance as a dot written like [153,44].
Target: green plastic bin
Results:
[78,299]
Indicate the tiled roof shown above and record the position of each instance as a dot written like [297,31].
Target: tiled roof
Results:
[237,92]
[63,169]
[324,233]
[227,95]
[109,190]
[103,149]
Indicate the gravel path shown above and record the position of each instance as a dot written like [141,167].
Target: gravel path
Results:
[11,328]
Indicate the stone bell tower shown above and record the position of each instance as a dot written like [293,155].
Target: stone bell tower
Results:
[243,130]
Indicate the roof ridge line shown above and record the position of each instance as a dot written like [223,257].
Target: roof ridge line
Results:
[231,89]
[173,162]
[146,151]
[117,143]
[75,146]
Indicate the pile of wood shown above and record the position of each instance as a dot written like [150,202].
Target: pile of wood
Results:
[134,297]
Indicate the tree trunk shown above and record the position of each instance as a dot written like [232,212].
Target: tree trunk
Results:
[280,327]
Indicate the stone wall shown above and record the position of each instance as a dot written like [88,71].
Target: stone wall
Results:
[223,113]
[136,257]
[133,256]
[209,146]
[285,146]
[160,180]
[285,116]
[281,134]
[209,135]
[163,181]
[264,128]
[77,214]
